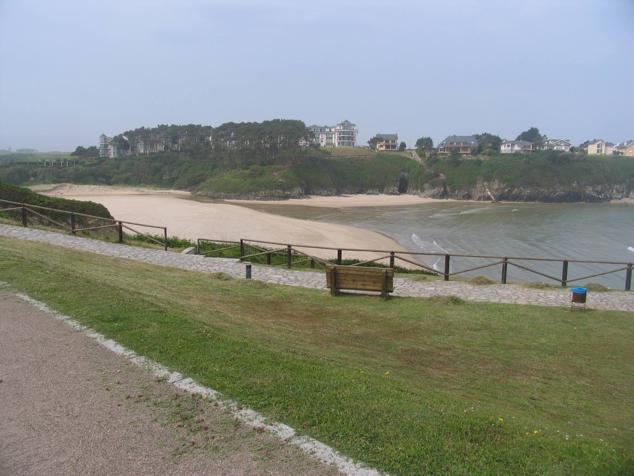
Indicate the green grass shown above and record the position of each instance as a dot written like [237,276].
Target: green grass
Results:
[410,386]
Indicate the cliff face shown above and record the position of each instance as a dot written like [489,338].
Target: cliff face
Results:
[480,192]
[499,191]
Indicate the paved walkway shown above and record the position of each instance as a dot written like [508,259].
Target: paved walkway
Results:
[512,294]
[70,406]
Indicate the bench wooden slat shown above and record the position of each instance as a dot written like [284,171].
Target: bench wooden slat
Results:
[360,279]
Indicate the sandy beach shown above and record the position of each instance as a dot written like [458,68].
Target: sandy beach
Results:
[193,219]
[347,201]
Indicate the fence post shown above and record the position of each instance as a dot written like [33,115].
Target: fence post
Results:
[165,237]
[312,263]
[73,223]
[628,277]
[198,246]
[25,221]
[505,264]
[268,258]
[392,259]
[241,248]
[564,274]
[447,258]
[289,256]
[120,231]
[339,253]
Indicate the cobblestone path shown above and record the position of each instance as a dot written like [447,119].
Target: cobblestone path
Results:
[509,293]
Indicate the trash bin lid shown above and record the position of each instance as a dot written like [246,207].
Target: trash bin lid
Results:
[579,290]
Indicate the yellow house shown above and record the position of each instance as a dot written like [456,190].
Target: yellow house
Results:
[626,148]
[600,147]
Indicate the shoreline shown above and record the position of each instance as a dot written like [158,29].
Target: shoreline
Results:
[192,219]
[350,201]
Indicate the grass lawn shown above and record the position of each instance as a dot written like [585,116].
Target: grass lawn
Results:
[409,386]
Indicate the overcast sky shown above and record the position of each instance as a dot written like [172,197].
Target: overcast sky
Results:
[72,69]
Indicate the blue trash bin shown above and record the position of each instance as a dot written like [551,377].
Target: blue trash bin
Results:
[579,297]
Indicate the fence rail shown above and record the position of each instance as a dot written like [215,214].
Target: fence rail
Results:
[72,225]
[250,249]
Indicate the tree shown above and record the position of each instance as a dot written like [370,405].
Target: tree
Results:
[85,153]
[425,143]
[373,142]
[488,144]
[532,135]
[402,146]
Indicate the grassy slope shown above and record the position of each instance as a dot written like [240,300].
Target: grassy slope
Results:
[24,195]
[410,386]
[539,170]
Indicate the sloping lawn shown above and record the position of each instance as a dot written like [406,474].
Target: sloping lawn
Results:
[409,386]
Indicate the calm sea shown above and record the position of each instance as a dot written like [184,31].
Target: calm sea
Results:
[602,232]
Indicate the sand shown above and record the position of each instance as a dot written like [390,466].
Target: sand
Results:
[348,201]
[192,219]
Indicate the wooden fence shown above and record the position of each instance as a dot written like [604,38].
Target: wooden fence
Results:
[299,254]
[72,221]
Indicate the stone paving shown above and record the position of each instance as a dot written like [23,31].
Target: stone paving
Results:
[509,293]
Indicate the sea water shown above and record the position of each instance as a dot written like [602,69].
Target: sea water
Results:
[583,231]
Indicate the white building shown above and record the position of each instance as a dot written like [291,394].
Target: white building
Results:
[343,134]
[106,149]
[516,147]
[557,144]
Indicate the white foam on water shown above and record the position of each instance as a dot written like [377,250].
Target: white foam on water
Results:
[432,247]
[249,417]
[630,248]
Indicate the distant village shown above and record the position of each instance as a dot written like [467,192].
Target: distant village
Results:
[344,134]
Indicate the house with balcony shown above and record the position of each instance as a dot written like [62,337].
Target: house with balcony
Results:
[563,145]
[625,148]
[343,134]
[463,145]
[599,147]
[385,142]
[516,147]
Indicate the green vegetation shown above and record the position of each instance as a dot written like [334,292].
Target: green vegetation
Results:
[31,157]
[24,195]
[410,386]
[539,170]
[85,152]
[265,160]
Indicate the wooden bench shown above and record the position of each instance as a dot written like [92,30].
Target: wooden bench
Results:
[360,279]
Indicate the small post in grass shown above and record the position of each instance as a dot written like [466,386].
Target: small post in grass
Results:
[25,221]
[73,223]
[564,274]
[248,271]
[120,231]
[289,256]
[165,237]
[339,256]
[268,258]
[392,259]
[447,258]
[628,277]
[241,248]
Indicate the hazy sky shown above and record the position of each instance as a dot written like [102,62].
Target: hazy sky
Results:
[72,69]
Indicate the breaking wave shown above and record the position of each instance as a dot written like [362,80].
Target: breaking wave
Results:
[430,247]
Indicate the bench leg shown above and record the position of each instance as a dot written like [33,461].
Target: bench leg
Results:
[333,282]
[384,294]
